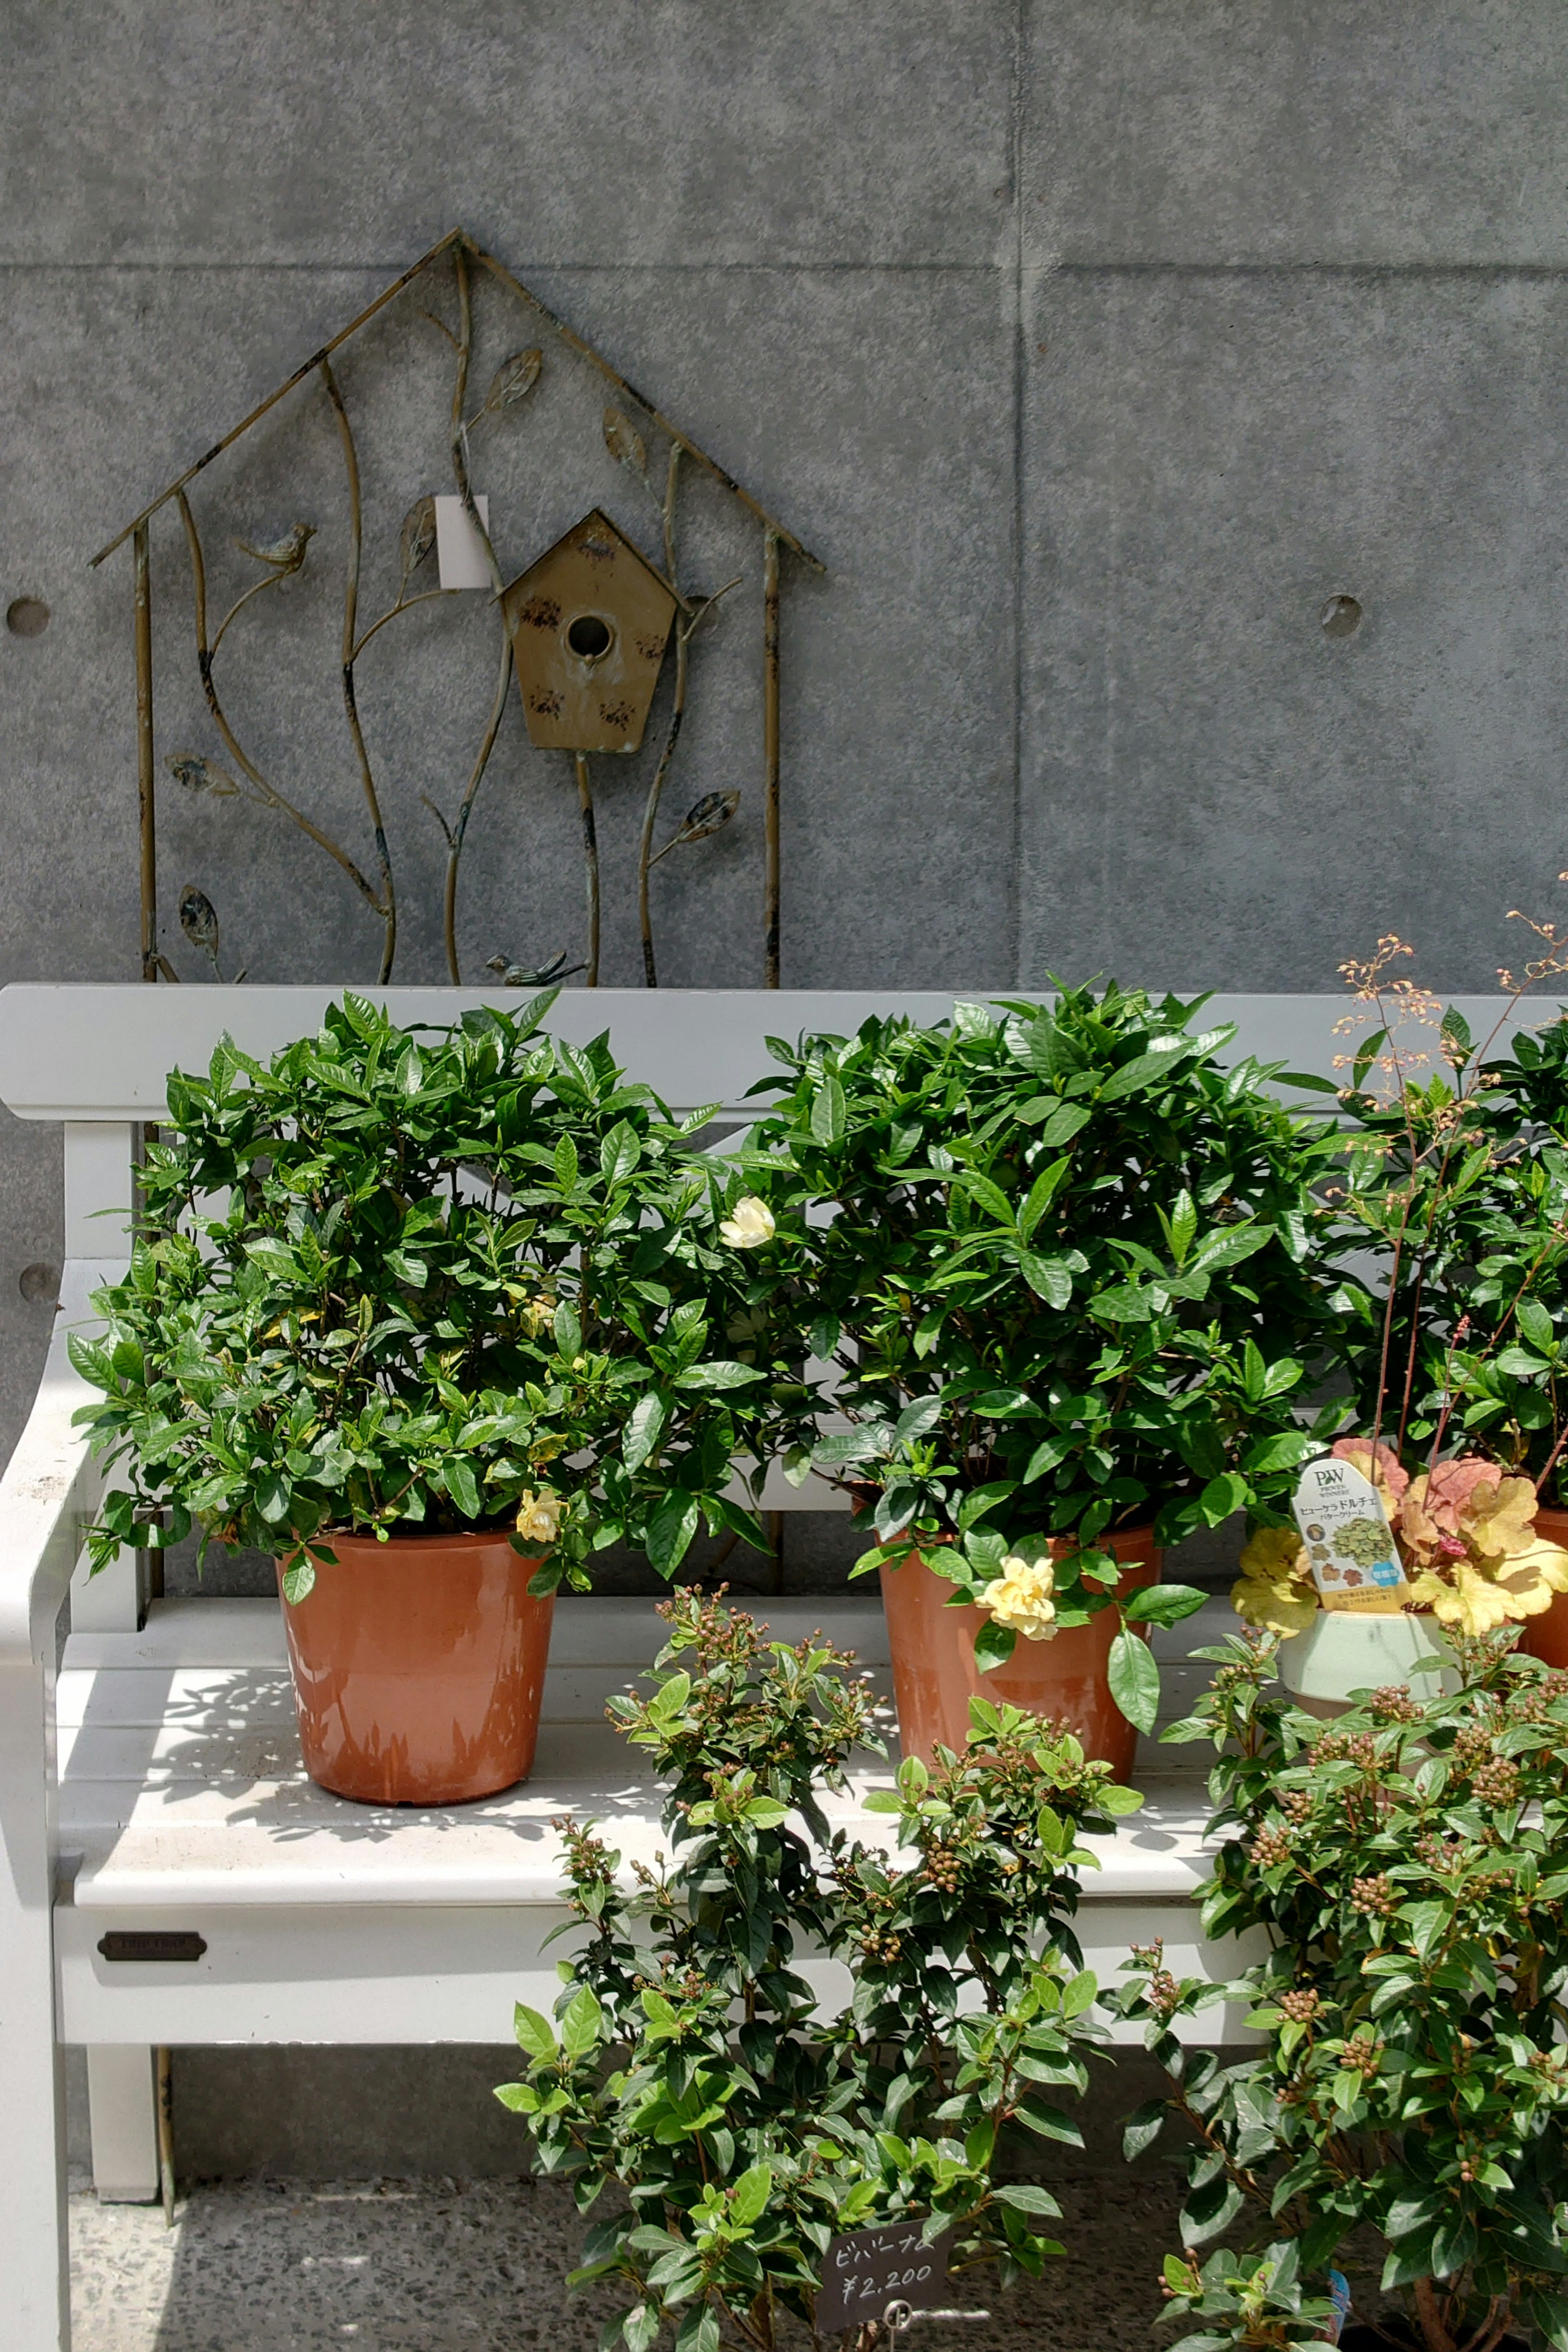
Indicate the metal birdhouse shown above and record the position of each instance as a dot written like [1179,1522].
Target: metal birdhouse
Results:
[589,624]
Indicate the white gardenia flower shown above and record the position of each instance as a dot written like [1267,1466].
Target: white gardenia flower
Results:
[539,1515]
[1021,1597]
[751,1226]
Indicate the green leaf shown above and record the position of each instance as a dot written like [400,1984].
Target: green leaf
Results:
[719,1374]
[1049,1278]
[1536,1324]
[1063,1124]
[1135,1680]
[1142,2129]
[671,1531]
[299,1581]
[751,2194]
[462,1487]
[993,1645]
[410,1072]
[567,1166]
[567,1331]
[1182,1225]
[640,2326]
[1144,1070]
[619,1154]
[1281,1453]
[1025,2198]
[1222,1496]
[534,2032]
[582,2028]
[1042,1192]
[643,1425]
[1162,1604]
[827,1112]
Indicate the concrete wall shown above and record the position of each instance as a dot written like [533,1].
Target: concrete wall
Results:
[1092,343]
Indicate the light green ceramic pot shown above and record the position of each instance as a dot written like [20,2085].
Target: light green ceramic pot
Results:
[1342,1651]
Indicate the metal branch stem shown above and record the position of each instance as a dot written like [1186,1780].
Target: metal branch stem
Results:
[458,831]
[146,774]
[771,756]
[404,604]
[269,792]
[591,863]
[645,852]
[270,581]
[351,617]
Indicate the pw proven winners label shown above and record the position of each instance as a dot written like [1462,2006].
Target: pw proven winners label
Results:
[1350,1548]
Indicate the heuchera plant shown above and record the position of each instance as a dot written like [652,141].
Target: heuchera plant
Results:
[1410,1870]
[1465,1534]
[1067,1285]
[1453,1336]
[695,2069]
[401,1284]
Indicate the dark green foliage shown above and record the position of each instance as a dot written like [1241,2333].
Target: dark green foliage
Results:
[1070,1281]
[413,1282]
[1409,1870]
[694,2065]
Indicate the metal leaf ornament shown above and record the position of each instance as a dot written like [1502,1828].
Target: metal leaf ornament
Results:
[198,920]
[200,774]
[418,535]
[623,442]
[514,380]
[713,810]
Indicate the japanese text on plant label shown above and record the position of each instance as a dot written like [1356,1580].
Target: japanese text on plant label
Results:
[1350,1546]
[868,2269]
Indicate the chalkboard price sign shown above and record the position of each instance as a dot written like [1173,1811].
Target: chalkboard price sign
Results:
[869,2269]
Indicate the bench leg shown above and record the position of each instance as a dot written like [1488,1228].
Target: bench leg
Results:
[122,2103]
[34,2254]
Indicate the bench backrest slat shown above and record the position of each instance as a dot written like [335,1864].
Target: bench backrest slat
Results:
[90,1051]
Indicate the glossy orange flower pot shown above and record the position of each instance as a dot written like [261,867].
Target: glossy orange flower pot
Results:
[935,1676]
[418,1668]
[1546,1636]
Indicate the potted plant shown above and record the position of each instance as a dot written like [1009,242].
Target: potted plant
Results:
[1454,1239]
[745,2123]
[1067,1286]
[1407,1871]
[430,1319]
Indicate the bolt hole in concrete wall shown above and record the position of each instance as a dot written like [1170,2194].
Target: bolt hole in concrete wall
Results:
[26,617]
[1340,617]
[39,1283]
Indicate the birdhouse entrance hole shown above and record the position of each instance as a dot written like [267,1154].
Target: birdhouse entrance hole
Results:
[589,636]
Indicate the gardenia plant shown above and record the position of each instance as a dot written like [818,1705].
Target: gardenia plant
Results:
[403,1283]
[693,2070]
[1067,1286]
[1464,1532]
[1409,1870]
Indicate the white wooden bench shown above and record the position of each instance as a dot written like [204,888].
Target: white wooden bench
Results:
[155,1787]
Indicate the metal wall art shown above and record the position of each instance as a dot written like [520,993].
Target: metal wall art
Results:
[587,628]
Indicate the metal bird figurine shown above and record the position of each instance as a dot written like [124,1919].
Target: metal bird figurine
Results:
[285,555]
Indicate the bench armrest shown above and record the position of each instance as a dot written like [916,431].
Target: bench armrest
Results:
[51,1485]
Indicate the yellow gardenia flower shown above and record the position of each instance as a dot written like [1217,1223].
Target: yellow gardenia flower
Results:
[751,1226]
[1021,1597]
[539,1515]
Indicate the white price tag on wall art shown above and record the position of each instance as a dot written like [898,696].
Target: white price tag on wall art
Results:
[1350,1545]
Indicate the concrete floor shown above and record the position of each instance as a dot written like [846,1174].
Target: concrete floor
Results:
[479,2266]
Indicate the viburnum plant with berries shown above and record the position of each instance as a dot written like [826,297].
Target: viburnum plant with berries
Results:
[695,2070]
[1409,1867]
[402,1284]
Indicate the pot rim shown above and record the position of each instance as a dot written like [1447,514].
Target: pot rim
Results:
[468,1539]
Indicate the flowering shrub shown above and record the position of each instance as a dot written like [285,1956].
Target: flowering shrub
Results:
[466,1279]
[1068,1284]
[694,2068]
[1410,1870]
[1464,1531]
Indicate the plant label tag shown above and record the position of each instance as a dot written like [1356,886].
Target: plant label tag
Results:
[869,2269]
[1350,1545]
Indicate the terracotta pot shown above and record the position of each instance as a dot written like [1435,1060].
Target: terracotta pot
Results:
[419,1667]
[935,1676]
[1546,1636]
[1344,1649]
